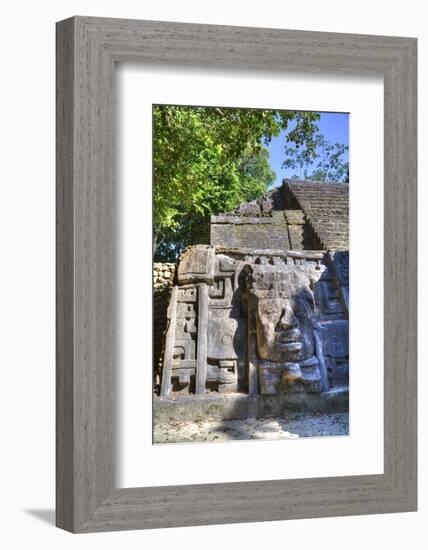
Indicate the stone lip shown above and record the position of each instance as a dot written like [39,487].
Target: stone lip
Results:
[190,407]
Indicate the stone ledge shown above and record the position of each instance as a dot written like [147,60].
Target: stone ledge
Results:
[241,220]
[239,405]
[280,252]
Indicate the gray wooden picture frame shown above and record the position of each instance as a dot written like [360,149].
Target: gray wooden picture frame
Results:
[87,50]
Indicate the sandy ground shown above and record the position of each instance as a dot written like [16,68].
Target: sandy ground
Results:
[287,427]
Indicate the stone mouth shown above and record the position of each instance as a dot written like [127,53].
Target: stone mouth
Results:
[291,336]
[291,346]
[290,340]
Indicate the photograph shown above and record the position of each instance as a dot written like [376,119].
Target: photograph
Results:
[250,274]
[211,255]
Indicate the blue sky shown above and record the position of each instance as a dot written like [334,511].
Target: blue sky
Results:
[334,127]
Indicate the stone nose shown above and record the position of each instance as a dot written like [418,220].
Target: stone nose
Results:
[288,319]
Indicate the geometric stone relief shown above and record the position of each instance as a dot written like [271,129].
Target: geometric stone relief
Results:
[335,337]
[264,322]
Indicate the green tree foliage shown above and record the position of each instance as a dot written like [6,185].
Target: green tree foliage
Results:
[207,160]
[325,163]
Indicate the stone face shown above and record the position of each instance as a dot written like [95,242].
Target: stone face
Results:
[261,311]
[283,304]
[264,309]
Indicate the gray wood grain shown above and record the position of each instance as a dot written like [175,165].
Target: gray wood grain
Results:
[87,49]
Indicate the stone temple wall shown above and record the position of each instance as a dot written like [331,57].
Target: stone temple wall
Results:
[297,216]
[269,231]
[163,277]
[326,207]
[257,322]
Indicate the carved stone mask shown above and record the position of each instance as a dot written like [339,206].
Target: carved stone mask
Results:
[283,309]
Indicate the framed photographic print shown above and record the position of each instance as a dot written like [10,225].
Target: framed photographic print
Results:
[236,274]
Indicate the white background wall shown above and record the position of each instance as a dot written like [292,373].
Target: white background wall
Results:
[27,271]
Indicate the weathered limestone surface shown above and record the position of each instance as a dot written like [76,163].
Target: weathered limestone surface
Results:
[326,207]
[258,323]
[163,278]
[186,407]
[258,312]
[251,231]
[299,215]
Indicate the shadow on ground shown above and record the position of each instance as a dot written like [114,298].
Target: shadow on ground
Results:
[46,515]
[289,426]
